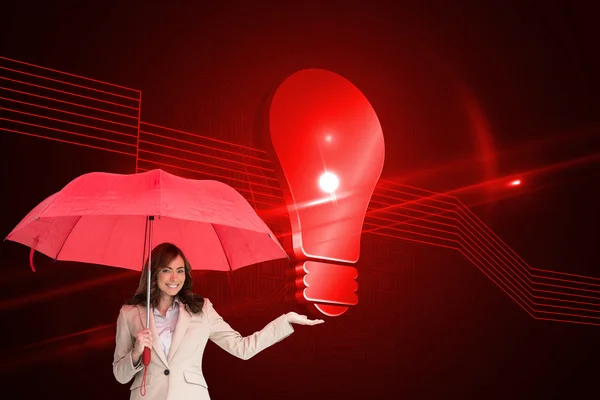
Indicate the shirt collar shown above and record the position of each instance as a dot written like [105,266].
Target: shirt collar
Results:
[176,304]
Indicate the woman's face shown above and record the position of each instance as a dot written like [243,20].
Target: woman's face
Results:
[171,277]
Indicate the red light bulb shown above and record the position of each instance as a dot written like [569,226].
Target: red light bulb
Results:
[330,146]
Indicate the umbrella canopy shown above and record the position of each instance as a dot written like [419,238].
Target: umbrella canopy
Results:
[101,218]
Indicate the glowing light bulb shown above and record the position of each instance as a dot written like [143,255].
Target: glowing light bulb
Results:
[326,233]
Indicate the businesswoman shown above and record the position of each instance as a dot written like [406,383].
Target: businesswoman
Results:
[181,323]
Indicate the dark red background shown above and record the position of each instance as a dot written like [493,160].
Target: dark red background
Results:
[428,324]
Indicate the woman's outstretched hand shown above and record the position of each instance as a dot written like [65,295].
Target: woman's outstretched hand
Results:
[295,318]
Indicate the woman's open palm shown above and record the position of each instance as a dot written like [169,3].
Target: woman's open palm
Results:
[295,318]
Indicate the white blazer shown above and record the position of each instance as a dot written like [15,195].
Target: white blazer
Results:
[178,375]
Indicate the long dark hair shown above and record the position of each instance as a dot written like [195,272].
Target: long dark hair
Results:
[162,255]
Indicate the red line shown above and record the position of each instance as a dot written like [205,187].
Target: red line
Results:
[207,155]
[529,287]
[525,268]
[208,147]
[480,264]
[499,278]
[414,240]
[67,122]
[137,143]
[486,230]
[66,112]
[566,320]
[419,198]
[534,269]
[570,315]
[208,165]
[463,233]
[412,217]
[426,235]
[205,164]
[501,288]
[208,138]
[68,83]
[209,174]
[69,93]
[66,141]
[67,102]
[66,73]
[69,132]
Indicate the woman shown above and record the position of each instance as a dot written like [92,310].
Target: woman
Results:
[181,323]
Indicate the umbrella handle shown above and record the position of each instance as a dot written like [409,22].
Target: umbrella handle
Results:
[145,361]
[146,356]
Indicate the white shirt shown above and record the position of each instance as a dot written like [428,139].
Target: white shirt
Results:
[165,326]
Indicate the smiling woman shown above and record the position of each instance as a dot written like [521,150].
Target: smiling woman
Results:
[171,276]
[181,323]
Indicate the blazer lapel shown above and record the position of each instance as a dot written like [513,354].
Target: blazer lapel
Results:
[183,322]
[156,344]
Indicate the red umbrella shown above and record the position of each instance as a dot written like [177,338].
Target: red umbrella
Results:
[113,219]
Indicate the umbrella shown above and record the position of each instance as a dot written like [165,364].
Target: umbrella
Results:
[112,219]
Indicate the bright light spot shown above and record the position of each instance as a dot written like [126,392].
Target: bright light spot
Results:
[328,182]
[328,138]
[516,182]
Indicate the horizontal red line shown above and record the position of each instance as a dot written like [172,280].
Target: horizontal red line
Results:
[526,267]
[208,138]
[69,112]
[566,320]
[529,267]
[417,200]
[465,211]
[66,141]
[70,103]
[68,83]
[206,164]
[68,132]
[412,240]
[524,306]
[69,74]
[208,147]
[211,166]
[529,288]
[68,122]
[464,234]
[415,188]
[426,235]
[69,93]
[208,155]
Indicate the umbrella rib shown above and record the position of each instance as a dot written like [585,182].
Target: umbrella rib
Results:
[221,243]
[66,237]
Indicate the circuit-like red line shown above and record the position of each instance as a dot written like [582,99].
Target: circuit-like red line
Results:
[68,102]
[70,84]
[69,74]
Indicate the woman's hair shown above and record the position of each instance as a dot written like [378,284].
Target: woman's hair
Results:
[162,255]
